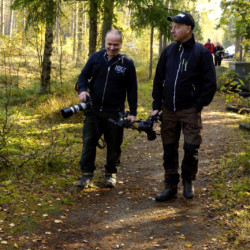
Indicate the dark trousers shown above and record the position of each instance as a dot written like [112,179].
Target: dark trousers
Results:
[96,124]
[217,61]
[173,122]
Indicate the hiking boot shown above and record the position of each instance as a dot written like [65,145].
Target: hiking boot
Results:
[110,180]
[166,194]
[85,182]
[188,189]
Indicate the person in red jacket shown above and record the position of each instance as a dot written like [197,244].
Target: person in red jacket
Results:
[209,45]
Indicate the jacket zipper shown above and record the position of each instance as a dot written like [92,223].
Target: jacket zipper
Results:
[177,74]
[105,88]
[106,82]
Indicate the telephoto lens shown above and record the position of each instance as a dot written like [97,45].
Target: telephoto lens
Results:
[67,112]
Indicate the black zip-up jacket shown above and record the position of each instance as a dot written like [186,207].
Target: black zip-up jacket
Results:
[185,77]
[109,82]
[218,52]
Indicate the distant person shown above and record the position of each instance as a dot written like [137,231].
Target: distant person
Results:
[108,78]
[210,46]
[184,83]
[218,54]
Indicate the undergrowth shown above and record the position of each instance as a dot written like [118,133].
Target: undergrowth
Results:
[40,152]
[231,196]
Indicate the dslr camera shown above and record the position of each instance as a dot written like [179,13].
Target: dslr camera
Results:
[147,127]
[67,112]
[143,125]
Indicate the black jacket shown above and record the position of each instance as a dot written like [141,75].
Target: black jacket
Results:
[109,82]
[218,52]
[185,77]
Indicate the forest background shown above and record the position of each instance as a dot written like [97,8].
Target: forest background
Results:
[44,44]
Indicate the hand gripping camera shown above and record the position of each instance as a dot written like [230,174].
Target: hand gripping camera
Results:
[67,112]
[143,125]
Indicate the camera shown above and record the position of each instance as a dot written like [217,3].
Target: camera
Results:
[67,112]
[147,127]
[143,125]
[121,122]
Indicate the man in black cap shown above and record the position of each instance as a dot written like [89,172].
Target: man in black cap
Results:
[184,83]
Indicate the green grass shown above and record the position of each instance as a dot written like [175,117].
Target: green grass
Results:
[231,196]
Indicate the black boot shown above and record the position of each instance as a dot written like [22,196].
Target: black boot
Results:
[167,193]
[188,189]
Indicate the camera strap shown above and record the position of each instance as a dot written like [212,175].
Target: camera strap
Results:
[103,143]
[99,135]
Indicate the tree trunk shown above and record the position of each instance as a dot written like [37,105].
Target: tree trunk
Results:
[80,35]
[238,48]
[151,53]
[164,42]
[10,26]
[46,65]
[93,12]
[161,37]
[2,17]
[108,13]
[75,31]
[58,26]
[160,43]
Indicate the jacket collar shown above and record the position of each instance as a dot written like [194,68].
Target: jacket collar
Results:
[188,44]
[116,58]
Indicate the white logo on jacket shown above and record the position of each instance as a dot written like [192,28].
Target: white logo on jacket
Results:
[120,69]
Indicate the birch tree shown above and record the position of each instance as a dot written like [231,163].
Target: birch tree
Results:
[2,16]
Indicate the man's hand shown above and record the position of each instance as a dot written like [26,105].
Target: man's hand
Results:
[131,118]
[83,96]
[154,112]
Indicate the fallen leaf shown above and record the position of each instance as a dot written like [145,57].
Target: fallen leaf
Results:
[182,237]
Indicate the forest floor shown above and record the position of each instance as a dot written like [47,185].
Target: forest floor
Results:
[128,217]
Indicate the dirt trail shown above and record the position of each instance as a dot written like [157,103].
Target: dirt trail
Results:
[127,217]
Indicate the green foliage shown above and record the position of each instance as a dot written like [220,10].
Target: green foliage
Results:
[231,84]
[39,11]
[237,13]
[151,13]
[231,81]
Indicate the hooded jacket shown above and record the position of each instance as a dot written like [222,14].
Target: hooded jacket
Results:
[185,77]
[109,82]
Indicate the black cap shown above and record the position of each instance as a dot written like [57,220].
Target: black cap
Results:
[183,18]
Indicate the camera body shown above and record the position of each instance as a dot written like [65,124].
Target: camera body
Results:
[147,127]
[67,112]
[143,125]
